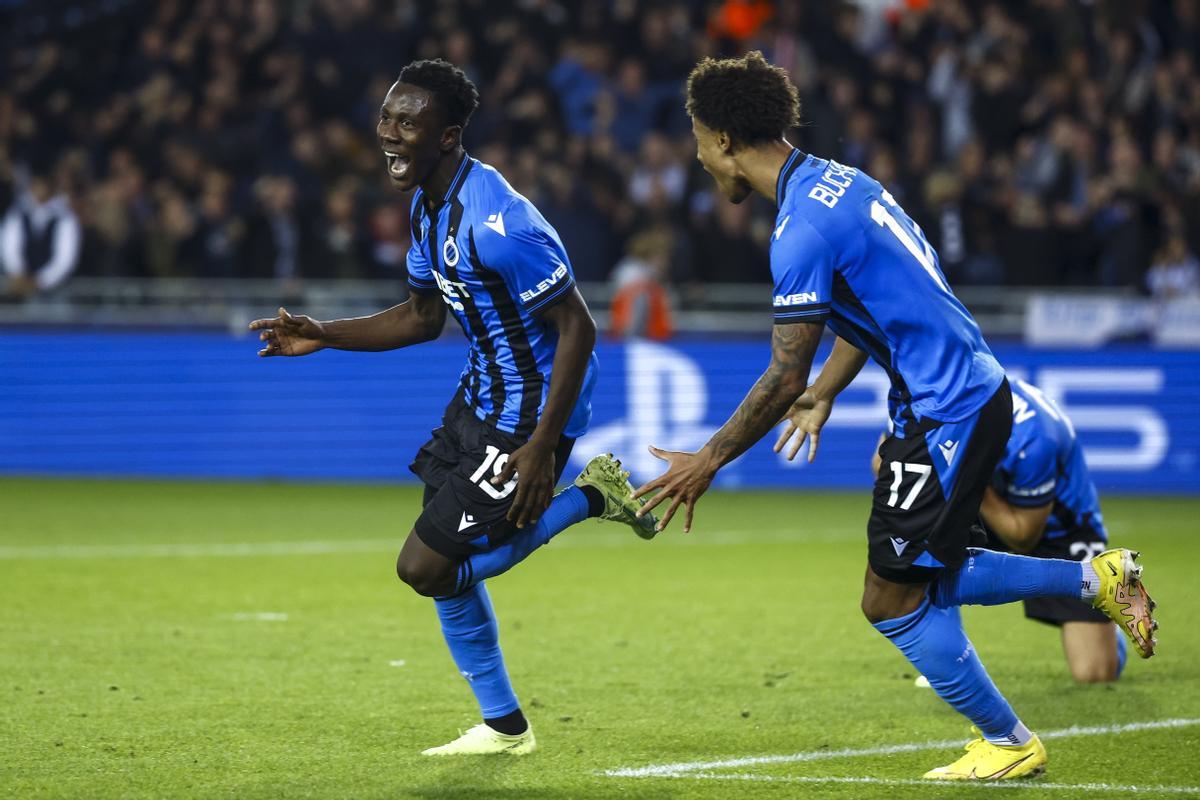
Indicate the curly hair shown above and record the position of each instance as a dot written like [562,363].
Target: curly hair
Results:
[456,95]
[747,98]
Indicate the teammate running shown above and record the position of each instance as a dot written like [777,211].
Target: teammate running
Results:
[844,253]
[483,251]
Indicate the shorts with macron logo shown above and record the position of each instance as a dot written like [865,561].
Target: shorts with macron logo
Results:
[925,506]
[464,513]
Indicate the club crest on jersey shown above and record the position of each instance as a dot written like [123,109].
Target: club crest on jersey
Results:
[450,252]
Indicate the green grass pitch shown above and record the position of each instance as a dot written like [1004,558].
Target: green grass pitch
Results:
[193,640]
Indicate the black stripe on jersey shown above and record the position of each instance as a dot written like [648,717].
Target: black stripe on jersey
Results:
[880,352]
[518,342]
[414,220]
[789,166]
[460,177]
[845,295]
[479,330]
[416,284]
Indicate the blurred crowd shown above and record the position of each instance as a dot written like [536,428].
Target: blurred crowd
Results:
[1037,142]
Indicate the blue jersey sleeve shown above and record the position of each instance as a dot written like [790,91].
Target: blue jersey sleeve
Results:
[520,245]
[802,268]
[420,274]
[1032,473]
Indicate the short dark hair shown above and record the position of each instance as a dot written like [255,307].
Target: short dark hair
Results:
[456,96]
[747,98]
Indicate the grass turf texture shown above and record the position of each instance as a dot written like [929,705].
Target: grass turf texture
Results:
[128,672]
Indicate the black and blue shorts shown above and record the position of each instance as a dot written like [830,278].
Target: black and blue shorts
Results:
[464,513]
[925,507]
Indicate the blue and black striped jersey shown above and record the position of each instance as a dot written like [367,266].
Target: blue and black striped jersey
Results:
[845,252]
[497,263]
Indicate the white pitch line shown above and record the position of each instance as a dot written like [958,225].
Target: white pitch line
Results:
[681,769]
[199,550]
[581,539]
[1032,784]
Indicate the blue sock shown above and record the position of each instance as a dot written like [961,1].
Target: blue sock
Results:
[933,641]
[568,507]
[1122,653]
[988,578]
[469,625]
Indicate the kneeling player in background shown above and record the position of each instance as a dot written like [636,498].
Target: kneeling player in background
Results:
[1042,502]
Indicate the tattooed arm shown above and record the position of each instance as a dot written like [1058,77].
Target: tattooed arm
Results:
[792,351]
[689,474]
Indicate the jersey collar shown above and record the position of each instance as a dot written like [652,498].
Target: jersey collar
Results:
[785,174]
[460,177]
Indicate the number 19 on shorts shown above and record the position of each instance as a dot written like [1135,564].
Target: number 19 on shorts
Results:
[496,461]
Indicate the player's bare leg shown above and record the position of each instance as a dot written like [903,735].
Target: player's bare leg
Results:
[883,600]
[1091,651]
[427,571]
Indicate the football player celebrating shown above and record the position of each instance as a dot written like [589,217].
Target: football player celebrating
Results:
[484,252]
[845,254]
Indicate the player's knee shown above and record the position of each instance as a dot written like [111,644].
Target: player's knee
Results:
[1094,670]
[873,610]
[883,600]
[424,585]
[876,608]
[420,581]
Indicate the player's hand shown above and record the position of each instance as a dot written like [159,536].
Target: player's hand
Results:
[533,465]
[876,459]
[687,477]
[288,335]
[804,421]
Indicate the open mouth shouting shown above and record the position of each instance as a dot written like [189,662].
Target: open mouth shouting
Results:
[397,165]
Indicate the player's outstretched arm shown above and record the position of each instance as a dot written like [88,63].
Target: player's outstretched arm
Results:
[418,319]
[690,474]
[808,414]
[533,462]
[1018,527]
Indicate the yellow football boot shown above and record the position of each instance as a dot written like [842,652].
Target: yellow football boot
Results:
[604,473]
[482,740]
[1124,599]
[985,761]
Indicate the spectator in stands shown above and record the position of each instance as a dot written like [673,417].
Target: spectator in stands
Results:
[658,178]
[278,239]
[1175,271]
[343,248]
[218,232]
[169,235]
[39,238]
[640,307]
[726,250]
[1079,122]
